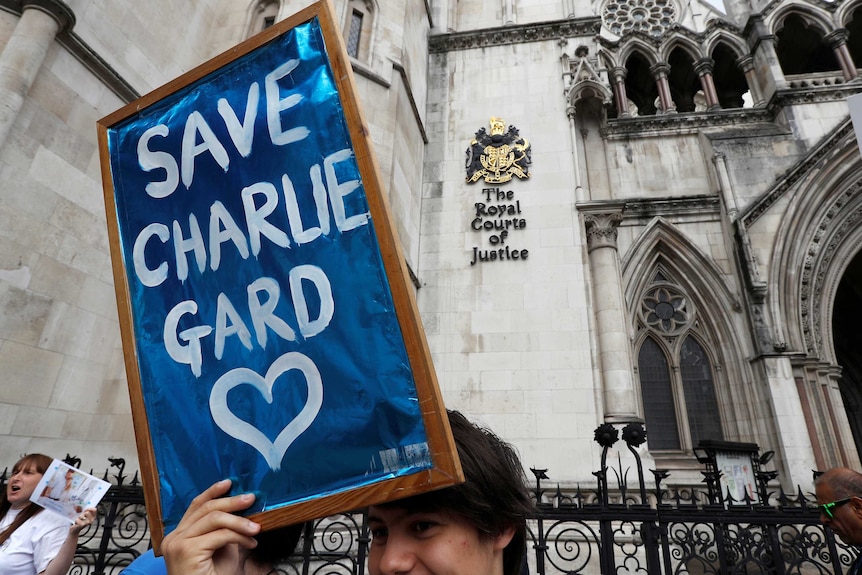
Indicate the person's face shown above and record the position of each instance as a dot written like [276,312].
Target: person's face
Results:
[21,485]
[69,475]
[431,543]
[846,520]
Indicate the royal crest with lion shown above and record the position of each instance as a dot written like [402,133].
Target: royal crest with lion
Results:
[498,156]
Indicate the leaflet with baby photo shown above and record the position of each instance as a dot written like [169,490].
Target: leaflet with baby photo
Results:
[68,491]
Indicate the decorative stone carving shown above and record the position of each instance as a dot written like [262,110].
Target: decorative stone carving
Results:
[602,230]
[651,17]
[519,34]
[666,309]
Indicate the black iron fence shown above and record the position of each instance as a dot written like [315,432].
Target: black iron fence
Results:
[616,527]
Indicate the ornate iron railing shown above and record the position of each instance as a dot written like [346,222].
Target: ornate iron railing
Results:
[609,529]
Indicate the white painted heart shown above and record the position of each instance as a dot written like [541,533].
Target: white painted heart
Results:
[273,452]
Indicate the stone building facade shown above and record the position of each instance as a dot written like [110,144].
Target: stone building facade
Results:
[683,252]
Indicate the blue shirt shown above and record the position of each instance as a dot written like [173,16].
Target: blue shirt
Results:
[146,564]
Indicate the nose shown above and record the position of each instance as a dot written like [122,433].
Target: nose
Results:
[396,557]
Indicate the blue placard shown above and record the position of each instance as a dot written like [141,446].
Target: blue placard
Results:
[266,338]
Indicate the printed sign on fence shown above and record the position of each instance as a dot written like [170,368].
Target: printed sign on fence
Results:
[270,332]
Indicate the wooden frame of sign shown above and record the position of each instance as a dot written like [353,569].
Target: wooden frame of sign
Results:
[133,264]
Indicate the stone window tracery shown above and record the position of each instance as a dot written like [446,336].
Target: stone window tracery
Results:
[652,17]
[675,370]
[665,309]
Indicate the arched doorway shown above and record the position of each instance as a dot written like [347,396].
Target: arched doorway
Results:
[846,328]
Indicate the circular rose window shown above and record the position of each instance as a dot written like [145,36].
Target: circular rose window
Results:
[652,17]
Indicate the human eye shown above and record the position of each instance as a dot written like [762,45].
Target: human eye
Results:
[423,526]
[378,532]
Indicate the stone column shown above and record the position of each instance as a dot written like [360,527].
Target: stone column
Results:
[746,64]
[837,40]
[580,193]
[509,11]
[618,76]
[728,193]
[615,357]
[660,72]
[22,57]
[703,69]
[770,76]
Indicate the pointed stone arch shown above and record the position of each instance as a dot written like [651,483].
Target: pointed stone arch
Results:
[819,235]
[663,249]
[732,41]
[845,11]
[684,43]
[586,83]
[634,44]
[641,86]
[730,62]
[810,14]
[802,45]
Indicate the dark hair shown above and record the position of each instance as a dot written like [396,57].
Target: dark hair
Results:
[843,482]
[494,496]
[276,545]
[40,463]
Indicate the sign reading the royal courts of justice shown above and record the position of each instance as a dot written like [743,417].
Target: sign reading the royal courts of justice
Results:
[496,158]
[269,330]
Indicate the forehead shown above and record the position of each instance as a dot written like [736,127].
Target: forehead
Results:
[394,513]
[824,492]
[387,513]
[25,466]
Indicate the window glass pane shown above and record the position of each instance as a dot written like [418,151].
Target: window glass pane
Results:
[700,403]
[659,411]
[355,33]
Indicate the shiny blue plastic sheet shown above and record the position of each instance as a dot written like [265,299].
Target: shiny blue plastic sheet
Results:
[266,337]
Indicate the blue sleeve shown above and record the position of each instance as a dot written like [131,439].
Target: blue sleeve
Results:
[146,564]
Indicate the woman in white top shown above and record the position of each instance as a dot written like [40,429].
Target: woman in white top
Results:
[33,541]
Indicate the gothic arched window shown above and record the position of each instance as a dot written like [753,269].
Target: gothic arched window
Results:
[676,372]
[640,85]
[801,48]
[263,15]
[729,80]
[657,392]
[358,28]
[682,80]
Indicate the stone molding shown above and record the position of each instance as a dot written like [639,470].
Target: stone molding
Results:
[417,116]
[517,34]
[674,124]
[76,46]
[800,171]
[681,206]
[843,218]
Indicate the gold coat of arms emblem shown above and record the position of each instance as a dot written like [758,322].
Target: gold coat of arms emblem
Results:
[498,156]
